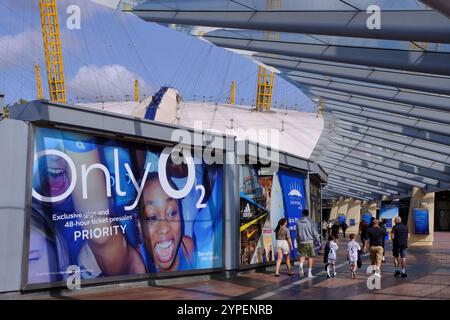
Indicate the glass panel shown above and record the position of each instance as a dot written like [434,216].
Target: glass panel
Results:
[389,4]
[293,5]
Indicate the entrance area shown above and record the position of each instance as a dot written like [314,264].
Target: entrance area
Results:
[442,211]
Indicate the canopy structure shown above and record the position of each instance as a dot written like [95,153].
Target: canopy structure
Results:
[384,92]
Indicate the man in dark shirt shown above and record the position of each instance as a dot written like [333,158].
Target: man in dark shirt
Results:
[376,237]
[399,236]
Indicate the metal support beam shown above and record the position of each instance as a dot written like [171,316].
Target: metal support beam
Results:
[394,128]
[407,122]
[442,6]
[383,105]
[425,62]
[413,172]
[398,174]
[412,145]
[371,183]
[398,156]
[377,92]
[423,25]
[360,167]
[349,185]
[371,179]
[340,193]
[406,80]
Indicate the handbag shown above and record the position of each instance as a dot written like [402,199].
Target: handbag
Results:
[359,262]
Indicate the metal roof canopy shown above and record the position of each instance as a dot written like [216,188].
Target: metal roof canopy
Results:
[386,102]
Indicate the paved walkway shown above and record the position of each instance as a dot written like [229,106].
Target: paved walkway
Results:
[428,278]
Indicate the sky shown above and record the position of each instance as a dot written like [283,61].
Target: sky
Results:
[113,48]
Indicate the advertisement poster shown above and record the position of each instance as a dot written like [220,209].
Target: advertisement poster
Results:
[387,214]
[421,221]
[255,223]
[341,218]
[367,217]
[294,200]
[115,208]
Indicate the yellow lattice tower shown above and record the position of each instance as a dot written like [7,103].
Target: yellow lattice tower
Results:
[39,91]
[264,89]
[52,48]
[233,93]
[136,91]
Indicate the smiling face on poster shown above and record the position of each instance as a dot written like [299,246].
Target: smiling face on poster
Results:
[117,208]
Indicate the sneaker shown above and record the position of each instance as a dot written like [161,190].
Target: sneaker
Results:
[310,275]
[328,276]
[300,272]
[404,275]
[335,274]
[397,274]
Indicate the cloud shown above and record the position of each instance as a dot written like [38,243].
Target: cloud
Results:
[18,48]
[92,82]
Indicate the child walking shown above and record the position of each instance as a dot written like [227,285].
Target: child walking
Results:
[352,250]
[330,256]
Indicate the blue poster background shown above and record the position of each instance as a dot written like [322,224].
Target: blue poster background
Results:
[367,217]
[421,221]
[294,195]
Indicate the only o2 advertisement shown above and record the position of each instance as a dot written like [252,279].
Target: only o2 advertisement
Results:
[115,208]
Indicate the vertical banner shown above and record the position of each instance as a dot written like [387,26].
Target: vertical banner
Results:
[114,208]
[421,221]
[294,200]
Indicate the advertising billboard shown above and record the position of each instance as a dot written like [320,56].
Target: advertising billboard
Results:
[421,221]
[263,201]
[119,208]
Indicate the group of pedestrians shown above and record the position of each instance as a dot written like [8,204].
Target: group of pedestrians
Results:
[372,240]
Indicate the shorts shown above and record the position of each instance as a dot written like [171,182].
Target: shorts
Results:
[376,255]
[399,251]
[283,246]
[352,260]
[307,250]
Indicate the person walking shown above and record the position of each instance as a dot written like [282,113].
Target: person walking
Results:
[284,246]
[344,228]
[363,234]
[383,226]
[352,251]
[335,229]
[376,236]
[399,236]
[331,257]
[306,234]
[324,229]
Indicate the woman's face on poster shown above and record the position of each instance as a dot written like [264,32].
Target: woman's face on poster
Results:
[53,175]
[161,224]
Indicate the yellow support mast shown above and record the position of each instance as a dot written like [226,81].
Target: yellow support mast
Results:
[39,91]
[265,89]
[233,93]
[53,52]
[136,91]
